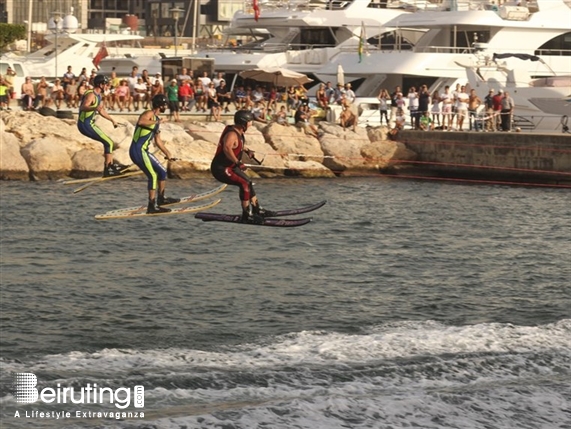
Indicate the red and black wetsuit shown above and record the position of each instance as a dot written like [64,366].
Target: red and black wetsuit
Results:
[226,171]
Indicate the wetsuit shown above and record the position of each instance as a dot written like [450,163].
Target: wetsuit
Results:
[87,127]
[225,171]
[139,153]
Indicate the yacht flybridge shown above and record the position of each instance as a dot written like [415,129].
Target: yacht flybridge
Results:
[300,35]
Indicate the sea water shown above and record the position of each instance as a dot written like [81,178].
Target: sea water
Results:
[403,304]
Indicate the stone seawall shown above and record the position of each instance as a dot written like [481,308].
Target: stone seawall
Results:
[36,147]
[518,157]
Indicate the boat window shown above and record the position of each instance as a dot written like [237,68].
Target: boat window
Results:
[19,70]
[15,66]
[379,4]
[560,45]
[316,37]
[391,41]
[466,39]
[80,51]
[338,4]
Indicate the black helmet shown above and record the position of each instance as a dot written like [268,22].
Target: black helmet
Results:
[159,101]
[242,117]
[100,79]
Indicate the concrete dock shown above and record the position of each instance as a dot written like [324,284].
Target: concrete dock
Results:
[497,156]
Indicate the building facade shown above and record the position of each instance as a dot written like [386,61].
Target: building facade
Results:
[154,17]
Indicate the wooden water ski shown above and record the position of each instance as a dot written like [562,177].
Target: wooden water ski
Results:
[102,179]
[184,200]
[91,179]
[139,214]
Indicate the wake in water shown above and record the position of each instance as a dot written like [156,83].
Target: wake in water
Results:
[419,374]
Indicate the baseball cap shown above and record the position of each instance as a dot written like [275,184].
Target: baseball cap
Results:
[501,91]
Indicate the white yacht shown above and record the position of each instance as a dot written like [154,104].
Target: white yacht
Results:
[300,35]
[75,50]
[541,104]
[459,32]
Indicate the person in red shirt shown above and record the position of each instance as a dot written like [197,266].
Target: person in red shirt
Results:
[497,103]
[185,93]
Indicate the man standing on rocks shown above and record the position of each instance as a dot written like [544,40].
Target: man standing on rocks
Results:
[89,106]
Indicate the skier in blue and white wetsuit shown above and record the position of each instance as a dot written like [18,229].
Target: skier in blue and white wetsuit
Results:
[90,105]
[147,130]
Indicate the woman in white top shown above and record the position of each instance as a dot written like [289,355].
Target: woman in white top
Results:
[447,101]
[412,104]
[461,107]
[384,100]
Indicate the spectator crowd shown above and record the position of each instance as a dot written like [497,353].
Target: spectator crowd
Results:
[449,110]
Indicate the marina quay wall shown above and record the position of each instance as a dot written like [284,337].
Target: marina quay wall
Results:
[36,147]
[518,157]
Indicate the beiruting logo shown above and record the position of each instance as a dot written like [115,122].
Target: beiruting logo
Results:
[26,392]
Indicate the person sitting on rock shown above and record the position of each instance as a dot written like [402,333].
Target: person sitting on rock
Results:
[399,124]
[301,119]
[281,117]
[347,117]
[425,122]
[259,112]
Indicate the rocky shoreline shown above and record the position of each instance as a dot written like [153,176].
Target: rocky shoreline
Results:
[36,147]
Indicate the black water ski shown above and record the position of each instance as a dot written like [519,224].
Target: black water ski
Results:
[300,210]
[284,223]
[270,221]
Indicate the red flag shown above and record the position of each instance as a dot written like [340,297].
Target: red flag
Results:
[256,9]
[100,55]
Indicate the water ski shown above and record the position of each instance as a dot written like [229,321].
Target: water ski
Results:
[268,221]
[189,199]
[137,214]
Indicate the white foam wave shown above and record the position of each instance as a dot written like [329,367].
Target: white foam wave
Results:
[413,373]
[398,340]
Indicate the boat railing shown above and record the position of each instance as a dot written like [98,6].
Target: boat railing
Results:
[560,52]
[271,47]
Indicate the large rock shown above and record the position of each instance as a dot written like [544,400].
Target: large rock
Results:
[194,147]
[377,134]
[87,163]
[294,145]
[342,148]
[308,169]
[385,155]
[205,131]
[47,160]
[12,165]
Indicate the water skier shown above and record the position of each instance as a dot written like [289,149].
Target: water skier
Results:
[89,106]
[227,166]
[147,130]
